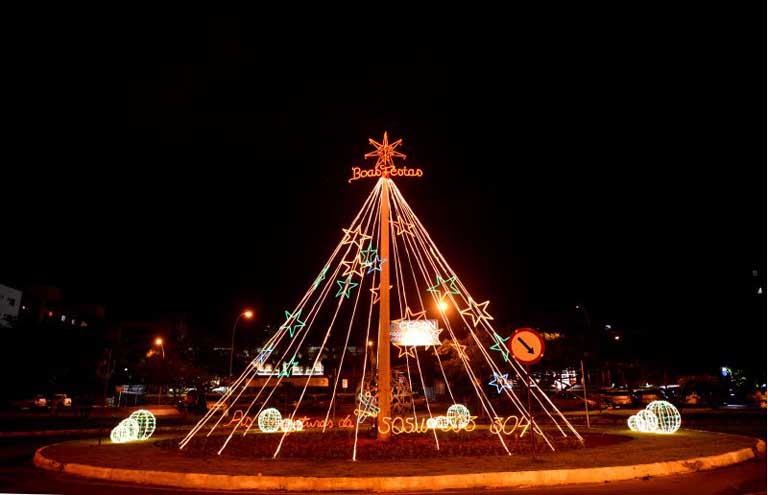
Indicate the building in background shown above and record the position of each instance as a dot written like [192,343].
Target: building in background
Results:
[10,302]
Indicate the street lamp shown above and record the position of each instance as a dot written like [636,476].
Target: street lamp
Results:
[159,343]
[442,306]
[247,314]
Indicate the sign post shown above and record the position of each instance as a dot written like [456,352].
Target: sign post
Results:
[527,345]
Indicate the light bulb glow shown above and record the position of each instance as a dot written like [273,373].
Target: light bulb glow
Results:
[270,420]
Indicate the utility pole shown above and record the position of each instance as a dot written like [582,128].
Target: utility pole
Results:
[382,369]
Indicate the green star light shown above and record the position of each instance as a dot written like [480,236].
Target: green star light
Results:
[367,254]
[297,323]
[288,367]
[345,286]
[451,287]
[499,346]
[319,278]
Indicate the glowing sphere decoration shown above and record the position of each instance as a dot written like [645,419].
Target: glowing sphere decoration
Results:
[270,420]
[442,422]
[146,422]
[126,431]
[667,415]
[646,421]
[658,417]
[458,415]
[632,423]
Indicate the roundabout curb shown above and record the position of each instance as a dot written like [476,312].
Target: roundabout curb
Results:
[511,479]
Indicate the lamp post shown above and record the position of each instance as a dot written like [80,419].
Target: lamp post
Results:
[159,343]
[247,314]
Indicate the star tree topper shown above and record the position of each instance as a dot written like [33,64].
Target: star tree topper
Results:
[384,153]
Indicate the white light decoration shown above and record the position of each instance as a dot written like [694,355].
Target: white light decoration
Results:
[632,423]
[458,416]
[667,415]
[415,333]
[658,417]
[146,422]
[431,423]
[126,431]
[646,421]
[270,420]
[442,422]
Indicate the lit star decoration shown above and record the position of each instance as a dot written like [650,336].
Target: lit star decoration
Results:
[500,382]
[444,287]
[460,350]
[354,237]
[367,254]
[297,323]
[353,268]
[376,264]
[403,227]
[384,153]
[367,407]
[288,367]
[375,292]
[405,350]
[262,356]
[500,346]
[345,286]
[319,278]
[477,311]
[409,315]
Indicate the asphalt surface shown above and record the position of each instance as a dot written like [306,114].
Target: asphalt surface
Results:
[18,475]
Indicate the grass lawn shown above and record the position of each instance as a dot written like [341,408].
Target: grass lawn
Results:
[638,449]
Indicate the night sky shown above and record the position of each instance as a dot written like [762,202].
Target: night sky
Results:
[199,164]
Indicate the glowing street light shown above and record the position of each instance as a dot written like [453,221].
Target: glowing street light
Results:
[159,343]
[247,314]
[442,306]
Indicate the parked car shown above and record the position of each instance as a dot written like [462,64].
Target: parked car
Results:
[566,400]
[618,397]
[61,400]
[40,401]
[647,395]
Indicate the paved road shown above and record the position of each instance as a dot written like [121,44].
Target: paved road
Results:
[18,475]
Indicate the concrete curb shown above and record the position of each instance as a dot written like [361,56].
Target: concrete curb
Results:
[401,483]
[84,431]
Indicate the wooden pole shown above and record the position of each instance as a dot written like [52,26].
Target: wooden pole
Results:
[383,373]
[584,384]
[530,414]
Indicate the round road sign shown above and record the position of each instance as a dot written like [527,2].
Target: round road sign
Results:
[527,346]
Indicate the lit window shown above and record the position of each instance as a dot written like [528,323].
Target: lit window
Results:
[64,318]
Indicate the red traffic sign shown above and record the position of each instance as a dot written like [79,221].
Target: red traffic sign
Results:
[527,345]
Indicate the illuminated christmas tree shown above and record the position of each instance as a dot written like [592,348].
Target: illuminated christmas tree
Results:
[386,264]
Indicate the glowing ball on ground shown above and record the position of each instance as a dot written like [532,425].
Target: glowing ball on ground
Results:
[431,423]
[126,431]
[632,422]
[146,422]
[442,422]
[646,421]
[458,416]
[298,425]
[270,420]
[667,416]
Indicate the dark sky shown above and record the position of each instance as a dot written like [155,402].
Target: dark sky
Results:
[200,163]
